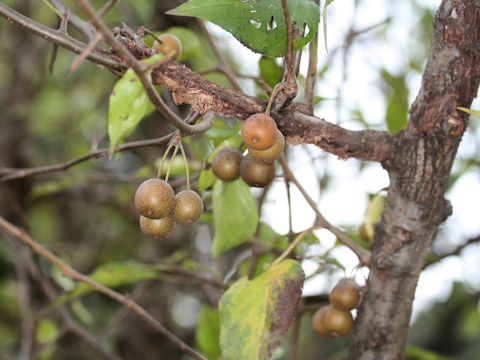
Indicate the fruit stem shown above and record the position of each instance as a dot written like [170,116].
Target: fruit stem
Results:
[295,243]
[185,161]
[170,145]
[279,87]
[171,162]
[153,35]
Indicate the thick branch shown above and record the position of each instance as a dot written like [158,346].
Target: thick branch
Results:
[422,156]
[190,88]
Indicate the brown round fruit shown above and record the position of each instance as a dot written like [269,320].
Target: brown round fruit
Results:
[168,45]
[273,152]
[226,164]
[338,322]
[259,131]
[256,172]
[188,207]
[154,199]
[157,228]
[345,295]
[318,322]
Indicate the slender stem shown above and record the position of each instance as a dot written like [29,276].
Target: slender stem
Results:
[171,162]
[75,275]
[59,37]
[185,161]
[53,8]
[279,87]
[169,147]
[87,51]
[295,243]
[289,57]
[223,65]
[7,174]
[106,8]
[363,255]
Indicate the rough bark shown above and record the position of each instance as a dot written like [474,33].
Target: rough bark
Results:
[419,170]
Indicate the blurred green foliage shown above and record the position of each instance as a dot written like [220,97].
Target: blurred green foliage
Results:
[86,216]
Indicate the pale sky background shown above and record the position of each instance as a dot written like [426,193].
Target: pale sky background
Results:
[345,200]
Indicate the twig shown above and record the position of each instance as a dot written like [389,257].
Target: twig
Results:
[69,322]
[75,275]
[308,99]
[7,174]
[456,251]
[198,275]
[363,255]
[223,65]
[58,37]
[84,26]
[289,57]
[84,54]
[295,243]
[101,13]
[140,70]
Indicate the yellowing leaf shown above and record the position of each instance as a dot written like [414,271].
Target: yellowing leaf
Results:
[255,314]
[469,111]
[235,213]
[372,215]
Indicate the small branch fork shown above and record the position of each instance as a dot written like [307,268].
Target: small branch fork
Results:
[141,71]
[75,275]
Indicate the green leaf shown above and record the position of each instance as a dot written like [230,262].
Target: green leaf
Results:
[206,180]
[469,111]
[255,314]
[235,213]
[259,25]
[270,71]
[50,188]
[396,115]
[207,334]
[128,104]
[112,275]
[328,2]
[46,331]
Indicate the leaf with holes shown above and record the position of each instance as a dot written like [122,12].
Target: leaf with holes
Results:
[259,25]
[255,314]
[128,104]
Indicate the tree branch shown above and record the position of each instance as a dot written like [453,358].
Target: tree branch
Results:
[75,275]
[7,174]
[191,88]
[57,37]
[362,254]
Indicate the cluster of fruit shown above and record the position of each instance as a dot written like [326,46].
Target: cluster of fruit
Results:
[160,209]
[265,144]
[336,319]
